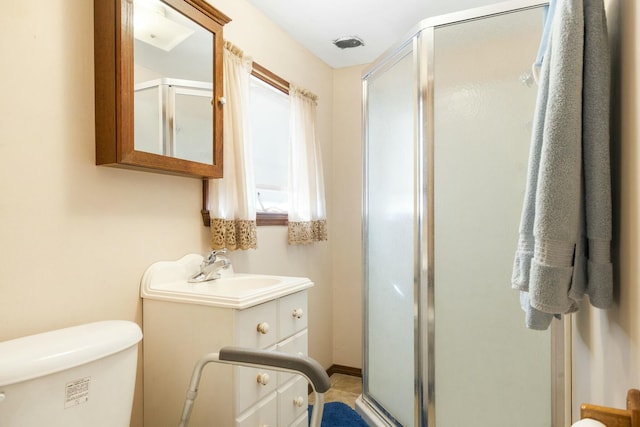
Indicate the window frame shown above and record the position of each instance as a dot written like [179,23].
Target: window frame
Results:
[272,79]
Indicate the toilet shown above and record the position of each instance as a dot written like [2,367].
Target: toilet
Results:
[74,377]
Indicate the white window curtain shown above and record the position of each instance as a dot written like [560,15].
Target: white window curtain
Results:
[233,211]
[307,211]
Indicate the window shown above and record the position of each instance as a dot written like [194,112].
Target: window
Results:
[270,134]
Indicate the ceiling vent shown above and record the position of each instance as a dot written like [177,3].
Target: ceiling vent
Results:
[348,42]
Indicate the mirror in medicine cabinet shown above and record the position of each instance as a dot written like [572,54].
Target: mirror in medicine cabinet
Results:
[158,68]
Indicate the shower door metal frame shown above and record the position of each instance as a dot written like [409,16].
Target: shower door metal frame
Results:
[398,53]
[422,42]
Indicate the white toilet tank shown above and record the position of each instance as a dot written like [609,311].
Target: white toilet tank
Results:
[83,376]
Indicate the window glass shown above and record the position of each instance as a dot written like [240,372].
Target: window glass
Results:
[270,132]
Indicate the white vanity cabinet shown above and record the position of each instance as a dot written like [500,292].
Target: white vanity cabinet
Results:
[177,333]
[261,395]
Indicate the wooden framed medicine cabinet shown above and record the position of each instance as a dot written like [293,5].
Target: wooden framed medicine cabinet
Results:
[158,85]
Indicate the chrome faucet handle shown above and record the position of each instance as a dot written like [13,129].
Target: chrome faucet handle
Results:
[211,267]
[211,258]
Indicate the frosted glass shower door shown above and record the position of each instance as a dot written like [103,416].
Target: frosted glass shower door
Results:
[193,125]
[389,241]
[486,361]
[148,120]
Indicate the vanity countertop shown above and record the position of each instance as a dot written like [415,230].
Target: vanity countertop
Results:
[167,280]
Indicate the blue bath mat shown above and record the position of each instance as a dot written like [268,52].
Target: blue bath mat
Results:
[337,414]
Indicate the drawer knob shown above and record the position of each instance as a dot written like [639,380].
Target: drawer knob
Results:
[297,313]
[298,401]
[263,327]
[263,379]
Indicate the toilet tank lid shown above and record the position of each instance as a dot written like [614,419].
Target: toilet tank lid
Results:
[42,354]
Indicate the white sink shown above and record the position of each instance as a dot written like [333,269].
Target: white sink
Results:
[167,280]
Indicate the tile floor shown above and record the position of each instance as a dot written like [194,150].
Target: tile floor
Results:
[344,388]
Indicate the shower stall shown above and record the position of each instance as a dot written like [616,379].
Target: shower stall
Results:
[173,118]
[447,124]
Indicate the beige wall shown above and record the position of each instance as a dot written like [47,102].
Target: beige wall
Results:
[606,344]
[346,253]
[75,237]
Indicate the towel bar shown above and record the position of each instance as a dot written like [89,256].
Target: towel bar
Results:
[613,417]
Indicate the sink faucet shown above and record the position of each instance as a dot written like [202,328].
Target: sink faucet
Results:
[211,266]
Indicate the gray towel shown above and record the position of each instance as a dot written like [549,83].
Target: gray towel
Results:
[565,230]
[597,174]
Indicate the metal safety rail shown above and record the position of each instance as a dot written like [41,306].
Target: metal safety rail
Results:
[278,361]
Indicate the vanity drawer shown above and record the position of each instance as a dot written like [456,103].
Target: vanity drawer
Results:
[252,384]
[301,422]
[292,314]
[263,414]
[256,327]
[296,345]
[292,401]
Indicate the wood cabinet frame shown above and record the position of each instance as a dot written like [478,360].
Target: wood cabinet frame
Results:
[113,50]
